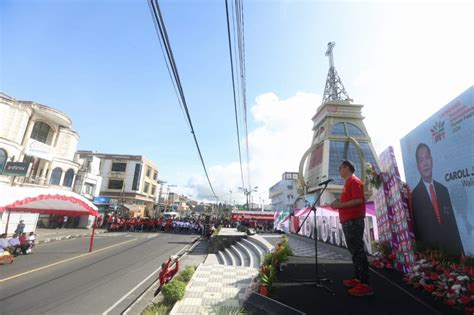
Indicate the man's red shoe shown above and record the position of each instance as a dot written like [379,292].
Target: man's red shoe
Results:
[351,283]
[361,290]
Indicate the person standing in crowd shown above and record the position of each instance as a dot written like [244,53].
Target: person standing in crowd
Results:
[433,215]
[20,228]
[351,215]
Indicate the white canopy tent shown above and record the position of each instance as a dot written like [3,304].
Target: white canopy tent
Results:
[44,201]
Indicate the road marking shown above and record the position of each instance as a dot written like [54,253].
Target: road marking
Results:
[130,292]
[151,236]
[136,287]
[63,261]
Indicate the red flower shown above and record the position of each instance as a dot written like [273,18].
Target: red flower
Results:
[429,288]
[470,287]
[389,266]
[391,256]
[465,299]
[449,302]
[264,291]
[471,272]
[434,276]
[469,310]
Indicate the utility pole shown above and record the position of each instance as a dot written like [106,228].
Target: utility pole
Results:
[168,196]
[161,182]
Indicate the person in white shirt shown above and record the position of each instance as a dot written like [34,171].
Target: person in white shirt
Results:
[14,243]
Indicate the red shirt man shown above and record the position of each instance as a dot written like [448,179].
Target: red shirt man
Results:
[351,214]
[353,190]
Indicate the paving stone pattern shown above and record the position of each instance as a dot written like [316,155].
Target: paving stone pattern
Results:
[215,285]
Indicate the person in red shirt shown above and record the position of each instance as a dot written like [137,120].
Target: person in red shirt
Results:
[166,274]
[351,214]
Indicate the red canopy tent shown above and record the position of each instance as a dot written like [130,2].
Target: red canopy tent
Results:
[45,201]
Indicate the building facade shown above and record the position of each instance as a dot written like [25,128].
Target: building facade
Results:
[338,133]
[130,181]
[284,193]
[41,137]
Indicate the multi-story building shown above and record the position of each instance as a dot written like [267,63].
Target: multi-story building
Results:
[41,136]
[88,180]
[38,140]
[130,181]
[284,193]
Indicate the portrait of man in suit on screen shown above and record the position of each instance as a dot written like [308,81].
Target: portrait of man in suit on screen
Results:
[433,215]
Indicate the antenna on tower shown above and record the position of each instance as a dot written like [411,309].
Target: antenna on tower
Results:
[334,90]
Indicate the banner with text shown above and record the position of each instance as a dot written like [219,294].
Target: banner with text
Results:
[328,226]
[438,158]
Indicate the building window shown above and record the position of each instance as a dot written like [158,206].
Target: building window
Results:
[136,177]
[56,176]
[115,183]
[40,131]
[369,156]
[155,175]
[354,130]
[153,189]
[119,167]
[3,159]
[338,129]
[145,188]
[68,178]
[148,172]
[88,189]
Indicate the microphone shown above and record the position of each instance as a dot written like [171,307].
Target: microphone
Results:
[326,182]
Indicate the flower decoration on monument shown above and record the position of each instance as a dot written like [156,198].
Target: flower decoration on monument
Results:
[373,178]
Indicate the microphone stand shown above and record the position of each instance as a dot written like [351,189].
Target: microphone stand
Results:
[318,282]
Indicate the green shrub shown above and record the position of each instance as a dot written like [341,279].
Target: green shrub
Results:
[173,291]
[157,309]
[186,274]
[228,310]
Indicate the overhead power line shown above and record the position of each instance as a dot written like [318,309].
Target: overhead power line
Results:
[239,76]
[173,71]
[233,89]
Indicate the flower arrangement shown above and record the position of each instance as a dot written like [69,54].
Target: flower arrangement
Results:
[384,256]
[447,278]
[271,264]
[372,177]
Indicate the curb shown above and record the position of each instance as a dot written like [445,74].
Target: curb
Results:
[66,237]
[151,288]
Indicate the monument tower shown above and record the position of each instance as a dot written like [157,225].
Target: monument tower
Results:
[339,133]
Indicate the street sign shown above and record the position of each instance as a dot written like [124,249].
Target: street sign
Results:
[19,169]
[101,200]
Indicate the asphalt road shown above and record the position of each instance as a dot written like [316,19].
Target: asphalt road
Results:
[63,278]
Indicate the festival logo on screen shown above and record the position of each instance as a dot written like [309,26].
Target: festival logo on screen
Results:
[438,132]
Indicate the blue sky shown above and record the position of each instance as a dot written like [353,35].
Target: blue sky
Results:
[100,62]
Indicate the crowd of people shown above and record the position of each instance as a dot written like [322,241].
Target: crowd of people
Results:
[20,242]
[187,225]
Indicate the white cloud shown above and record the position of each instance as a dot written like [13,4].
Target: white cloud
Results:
[283,134]
[418,66]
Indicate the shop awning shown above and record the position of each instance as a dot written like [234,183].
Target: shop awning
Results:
[44,201]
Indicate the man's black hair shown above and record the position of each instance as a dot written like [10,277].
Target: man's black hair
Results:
[349,164]
[419,147]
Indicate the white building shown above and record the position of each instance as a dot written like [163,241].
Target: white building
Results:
[284,193]
[130,181]
[88,180]
[42,139]
[39,135]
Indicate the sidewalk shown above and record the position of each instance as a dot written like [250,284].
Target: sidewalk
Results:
[215,287]
[52,235]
